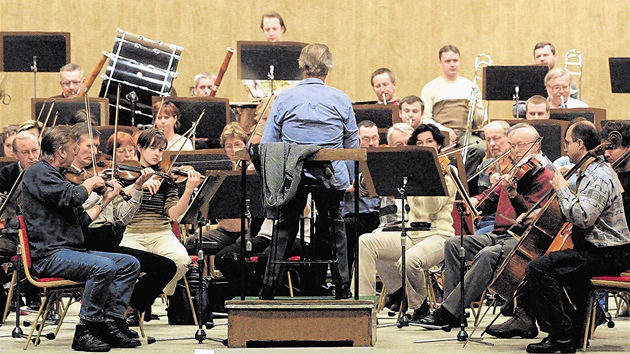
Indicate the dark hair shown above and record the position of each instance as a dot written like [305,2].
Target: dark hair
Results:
[53,138]
[380,71]
[152,138]
[366,124]
[437,134]
[620,126]
[81,116]
[81,129]
[168,107]
[541,45]
[411,99]
[586,131]
[448,48]
[273,14]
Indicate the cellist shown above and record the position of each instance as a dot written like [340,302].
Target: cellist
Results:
[601,245]
[509,200]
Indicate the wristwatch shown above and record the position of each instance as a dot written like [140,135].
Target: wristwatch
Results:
[101,205]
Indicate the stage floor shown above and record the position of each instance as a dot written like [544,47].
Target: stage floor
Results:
[389,339]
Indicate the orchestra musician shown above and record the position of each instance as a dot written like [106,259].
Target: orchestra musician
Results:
[510,199]
[54,215]
[383,83]
[425,248]
[447,102]
[398,134]
[106,230]
[411,110]
[537,107]
[498,144]
[313,114]
[25,146]
[601,245]
[32,126]
[614,153]
[558,83]
[72,81]
[203,84]
[545,54]
[7,142]
[150,228]
[167,117]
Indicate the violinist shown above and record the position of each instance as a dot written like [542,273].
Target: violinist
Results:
[380,251]
[167,117]
[511,198]
[601,245]
[54,217]
[25,146]
[617,151]
[125,147]
[150,228]
[106,230]
[498,144]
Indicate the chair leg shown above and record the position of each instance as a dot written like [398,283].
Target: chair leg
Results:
[290,283]
[190,301]
[380,304]
[36,321]
[590,319]
[141,325]
[10,297]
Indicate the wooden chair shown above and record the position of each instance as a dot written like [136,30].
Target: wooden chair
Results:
[53,289]
[611,284]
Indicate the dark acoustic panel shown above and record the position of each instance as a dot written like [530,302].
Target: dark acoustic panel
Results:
[19,51]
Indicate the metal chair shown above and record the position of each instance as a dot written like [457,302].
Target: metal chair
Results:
[53,290]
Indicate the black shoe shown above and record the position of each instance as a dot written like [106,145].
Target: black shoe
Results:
[86,340]
[124,328]
[133,319]
[393,300]
[552,346]
[342,291]
[34,305]
[521,325]
[421,312]
[267,293]
[113,336]
[441,317]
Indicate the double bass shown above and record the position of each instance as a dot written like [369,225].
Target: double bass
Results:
[537,238]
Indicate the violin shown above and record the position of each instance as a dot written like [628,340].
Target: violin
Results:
[78,177]
[531,165]
[131,170]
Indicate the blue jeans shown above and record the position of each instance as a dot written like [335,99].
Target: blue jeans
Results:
[109,279]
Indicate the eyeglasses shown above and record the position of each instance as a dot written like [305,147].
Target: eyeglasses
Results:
[130,151]
[560,88]
[521,145]
[34,152]
[71,83]
[567,143]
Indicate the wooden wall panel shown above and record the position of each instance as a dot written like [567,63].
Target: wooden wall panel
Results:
[363,35]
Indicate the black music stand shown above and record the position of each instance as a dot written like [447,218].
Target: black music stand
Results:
[506,83]
[269,61]
[411,171]
[619,74]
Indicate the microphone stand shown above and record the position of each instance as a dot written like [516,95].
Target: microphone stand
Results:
[133,98]
[516,91]
[34,69]
[271,77]
[462,335]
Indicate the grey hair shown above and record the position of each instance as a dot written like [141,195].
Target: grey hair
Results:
[403,127]
[315,60]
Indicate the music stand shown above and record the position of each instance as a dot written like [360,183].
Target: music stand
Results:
[405,178]
[506,83]
[269,61]
[384,116]
[619,74]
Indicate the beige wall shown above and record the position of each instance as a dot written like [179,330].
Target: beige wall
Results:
[363,35]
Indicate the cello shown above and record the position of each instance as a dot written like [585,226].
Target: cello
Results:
[539,235]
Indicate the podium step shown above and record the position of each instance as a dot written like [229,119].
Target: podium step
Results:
[298,322]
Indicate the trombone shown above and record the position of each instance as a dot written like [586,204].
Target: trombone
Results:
[573,65]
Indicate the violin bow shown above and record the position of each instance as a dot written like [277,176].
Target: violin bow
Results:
[91,136]
[115,133]
[267,105]
[41,134]
[186,134]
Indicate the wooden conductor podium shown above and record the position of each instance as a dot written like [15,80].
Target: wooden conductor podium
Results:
[303,321]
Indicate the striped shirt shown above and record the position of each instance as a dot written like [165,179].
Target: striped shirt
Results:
[152,216]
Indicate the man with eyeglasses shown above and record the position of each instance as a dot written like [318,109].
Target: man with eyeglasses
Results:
[509,201]
[368,216]
[71,80]
[558,84]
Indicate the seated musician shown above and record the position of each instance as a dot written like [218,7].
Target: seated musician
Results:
[54,217]
[498,143]
[425,248]
[510,199]
[125,147]
[447,101]
[106,230]
[71,80]
[32,126]
[558,84]
[411,110]
[7,141]
[601,245]
[368,217]
[150,228]
[612,156]
[383,83]
[25,146]
[227,231]
[204,82]
[312,114]
[167,117]
[537,107]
